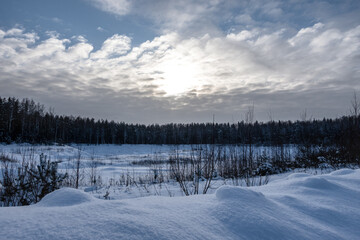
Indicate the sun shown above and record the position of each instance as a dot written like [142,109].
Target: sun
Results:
[179,78]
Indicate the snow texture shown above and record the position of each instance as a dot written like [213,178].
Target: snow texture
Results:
[299,206]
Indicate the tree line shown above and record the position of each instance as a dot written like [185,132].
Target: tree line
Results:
[317,144]
[27,121]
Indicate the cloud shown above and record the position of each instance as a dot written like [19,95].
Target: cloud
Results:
[116,7]
[176,14]
[114,46]
[197,66]
[100,29]
[306,34]
[57,20]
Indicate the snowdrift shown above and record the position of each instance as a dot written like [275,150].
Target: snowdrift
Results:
[65,197]
[300,206]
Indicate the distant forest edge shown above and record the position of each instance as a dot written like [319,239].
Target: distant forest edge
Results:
[27,121]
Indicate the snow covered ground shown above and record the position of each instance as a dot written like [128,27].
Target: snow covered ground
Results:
[299,206]
[111,161]
[119,157]
[114,166]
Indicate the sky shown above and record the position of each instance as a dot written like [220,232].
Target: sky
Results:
[162,61]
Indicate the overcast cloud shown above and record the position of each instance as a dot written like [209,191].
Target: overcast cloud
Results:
[209,57]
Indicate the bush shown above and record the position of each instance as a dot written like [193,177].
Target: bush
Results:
[28,183]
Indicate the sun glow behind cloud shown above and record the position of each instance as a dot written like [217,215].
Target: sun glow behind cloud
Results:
[178,78]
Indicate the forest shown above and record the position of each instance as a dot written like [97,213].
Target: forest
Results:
[23,120]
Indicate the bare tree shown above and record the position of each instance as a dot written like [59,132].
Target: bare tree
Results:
[249,120]
[179,170]
[249,115]
[270,115]
[77,167]
[355,106]
[188,172]
[354,131]
[304,116]
[93,170]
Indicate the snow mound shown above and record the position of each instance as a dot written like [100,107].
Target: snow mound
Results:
[304,207]
[341,172]
[298,175]
[319,183]
[231,193]
[65,197]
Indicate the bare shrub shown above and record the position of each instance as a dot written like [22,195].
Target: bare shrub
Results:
[27,183]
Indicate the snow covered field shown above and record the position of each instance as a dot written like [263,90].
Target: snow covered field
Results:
[120,157]
[122,171]
[111,160]
[117,165]
[299,206]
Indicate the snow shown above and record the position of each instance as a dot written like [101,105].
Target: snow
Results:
[341,172]
[65,197]
[111,160]
[298,206]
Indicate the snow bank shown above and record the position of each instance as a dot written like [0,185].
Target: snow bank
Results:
[239,194]
[298,175]
[297,207]
[65,197]
[342,172]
